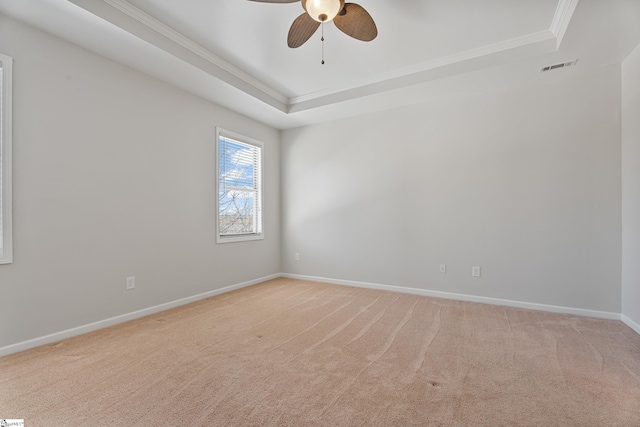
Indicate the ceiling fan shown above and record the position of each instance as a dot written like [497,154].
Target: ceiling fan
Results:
[350,18]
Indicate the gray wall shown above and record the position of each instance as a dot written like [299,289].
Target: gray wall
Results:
[114,177]
[631,188]
[524,182]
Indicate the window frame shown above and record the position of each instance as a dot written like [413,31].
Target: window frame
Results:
[6,233]
[259,235]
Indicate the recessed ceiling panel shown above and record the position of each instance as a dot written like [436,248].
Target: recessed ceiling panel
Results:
[234,52]
[252,36]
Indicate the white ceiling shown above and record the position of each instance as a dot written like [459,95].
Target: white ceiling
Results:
[234,52]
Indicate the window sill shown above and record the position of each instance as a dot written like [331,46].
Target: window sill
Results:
[239,238]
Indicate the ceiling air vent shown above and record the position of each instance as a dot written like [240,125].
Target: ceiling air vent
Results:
[556,66]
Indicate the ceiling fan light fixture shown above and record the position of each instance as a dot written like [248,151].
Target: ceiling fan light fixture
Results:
[323,10]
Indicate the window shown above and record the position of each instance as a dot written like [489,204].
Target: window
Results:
[5,160]
[239,176]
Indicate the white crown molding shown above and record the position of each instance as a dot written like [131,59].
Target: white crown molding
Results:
[191,46]
[503,46]
[559,24]
[194,53]
[562,18]
[187,43]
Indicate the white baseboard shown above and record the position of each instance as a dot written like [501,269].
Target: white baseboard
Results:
[630,323]
[58,336]
[464,297]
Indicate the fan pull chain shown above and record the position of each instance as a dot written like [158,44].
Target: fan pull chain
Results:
[322,40]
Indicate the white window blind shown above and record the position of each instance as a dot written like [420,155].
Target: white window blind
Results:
[239,187]
[5,160]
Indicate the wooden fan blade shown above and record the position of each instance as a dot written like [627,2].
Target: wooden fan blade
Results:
[301,30]
[275,1]
[356,22]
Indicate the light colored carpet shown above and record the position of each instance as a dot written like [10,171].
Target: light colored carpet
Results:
[296,353]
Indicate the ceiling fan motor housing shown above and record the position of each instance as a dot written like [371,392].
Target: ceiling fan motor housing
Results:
[323,10]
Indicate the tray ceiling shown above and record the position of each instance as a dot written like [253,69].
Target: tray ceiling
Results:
[234,52]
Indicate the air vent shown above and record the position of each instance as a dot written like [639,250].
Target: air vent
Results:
[556,66]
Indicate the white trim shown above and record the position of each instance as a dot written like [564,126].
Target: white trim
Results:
[6,142]
[136,22]
[463,297]
[397,79]
[69,333]
[630,323]
[482,51]
[562,18]
[245,140]
[560,23]
[176,37]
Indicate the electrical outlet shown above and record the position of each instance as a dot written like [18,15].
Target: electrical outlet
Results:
[443,268]
[297,256]
[475,271]
[131,283]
